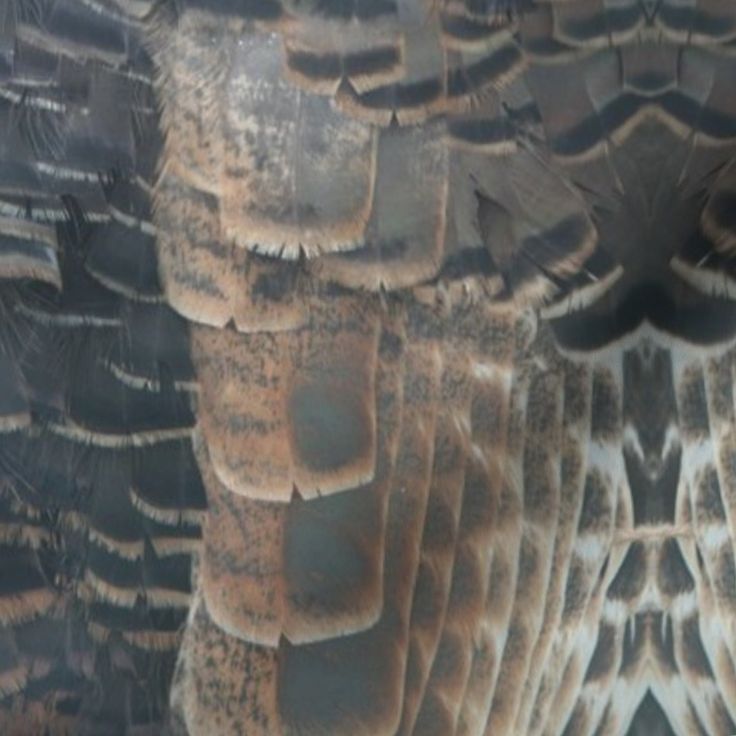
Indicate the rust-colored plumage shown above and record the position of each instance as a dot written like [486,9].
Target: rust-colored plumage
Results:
[367,367]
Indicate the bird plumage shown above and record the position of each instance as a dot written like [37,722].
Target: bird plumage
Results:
[419,313]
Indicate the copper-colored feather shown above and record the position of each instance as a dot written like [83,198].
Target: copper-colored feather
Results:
[411,320]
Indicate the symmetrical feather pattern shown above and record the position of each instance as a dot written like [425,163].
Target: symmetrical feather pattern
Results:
[461,285]
[432,302]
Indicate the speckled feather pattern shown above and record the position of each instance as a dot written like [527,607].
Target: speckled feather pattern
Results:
[413,321]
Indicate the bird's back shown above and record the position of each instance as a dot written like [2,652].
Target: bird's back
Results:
[432,300]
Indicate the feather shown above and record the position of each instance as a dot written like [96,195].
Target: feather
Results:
[412,321]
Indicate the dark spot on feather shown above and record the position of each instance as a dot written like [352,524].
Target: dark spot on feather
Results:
[330,426]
